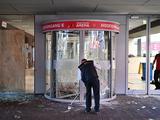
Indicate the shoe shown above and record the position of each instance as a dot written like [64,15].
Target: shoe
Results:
[87,110]
[157,88]
[153,82]
[97,111]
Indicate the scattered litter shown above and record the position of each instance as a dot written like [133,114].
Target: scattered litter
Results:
[10,97]
[145,96]
[17,116]
[66,111]
[40,106]
[128,102]
[140,96]
[18,111]
[109,104]
[154,108]
[155,96]
[69,107]
[133,102]
[24,102]
[48,109]
[114,102]
[77,110]
[143,107]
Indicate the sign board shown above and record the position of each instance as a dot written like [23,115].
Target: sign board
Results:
[81,25]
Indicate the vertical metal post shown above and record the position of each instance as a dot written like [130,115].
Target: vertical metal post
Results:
[110,61]
[148,55]
[53,59]
[81,56]
[139,49]
[45,60]
[126,54]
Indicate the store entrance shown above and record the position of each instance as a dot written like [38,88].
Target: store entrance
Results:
[65,49]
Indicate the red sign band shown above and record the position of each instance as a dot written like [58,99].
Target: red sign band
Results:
[81,25]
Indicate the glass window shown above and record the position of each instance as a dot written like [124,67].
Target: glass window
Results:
[62,64]
[137,54]
[62,61]
[154,49]
[97,47]
[66,63]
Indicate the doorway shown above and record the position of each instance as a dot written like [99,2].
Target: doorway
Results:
[143,45]
[66,47]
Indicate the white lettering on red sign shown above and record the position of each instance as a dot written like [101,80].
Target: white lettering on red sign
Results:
[103,25]
[99,25]
[59,25]
[82,24]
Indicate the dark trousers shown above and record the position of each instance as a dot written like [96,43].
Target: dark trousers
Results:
[94,83]
[156,76]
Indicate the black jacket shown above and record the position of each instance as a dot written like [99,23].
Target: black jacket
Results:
[88,71]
